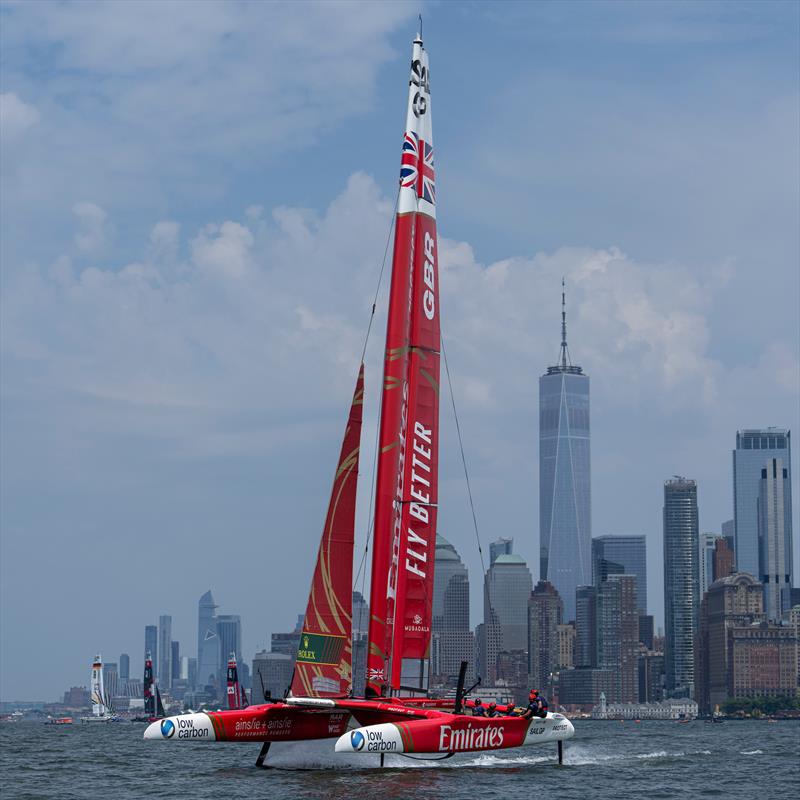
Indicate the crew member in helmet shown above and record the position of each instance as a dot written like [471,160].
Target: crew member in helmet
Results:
[478,709]
[537,706]
[510,710]
[491,711]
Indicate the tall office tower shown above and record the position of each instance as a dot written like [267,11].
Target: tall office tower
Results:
[360,615]
[229,631]
[646,624]
[729,535]
[192,672]
[586,626]
[183,671]
[502,547]
[165,649]
[736,600]
[775,537]
[175,649]
[124,668]
[450,613]
[271,675]
[505,610]
[151,645]
[111,679]
[681,583]
[705,554]
[545,610]
[723,561]
[565,524]
[566,645]
[651,672]
[753,449]
[207,642]
[621,555]
[618,634]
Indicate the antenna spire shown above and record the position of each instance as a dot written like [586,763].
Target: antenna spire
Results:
[420,27]
[564,350]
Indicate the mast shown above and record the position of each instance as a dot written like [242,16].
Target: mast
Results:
[147,683]
[233,682]
[324,659]
[407,481]
[97,692]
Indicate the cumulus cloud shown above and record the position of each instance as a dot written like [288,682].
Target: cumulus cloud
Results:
[16,116]
[95,232]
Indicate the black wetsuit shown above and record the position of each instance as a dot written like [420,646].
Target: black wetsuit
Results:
[536,708]
[479,711]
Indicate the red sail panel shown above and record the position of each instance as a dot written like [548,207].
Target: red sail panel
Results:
[415,567]
[233,683]
[391,438]
[394,399]
[324,658]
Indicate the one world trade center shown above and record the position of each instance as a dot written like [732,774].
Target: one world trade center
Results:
[565,522]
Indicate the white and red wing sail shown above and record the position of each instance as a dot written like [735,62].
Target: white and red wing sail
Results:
[324,658]
[407,482]
[233,683]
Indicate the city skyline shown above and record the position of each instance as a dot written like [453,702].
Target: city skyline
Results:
[209,408]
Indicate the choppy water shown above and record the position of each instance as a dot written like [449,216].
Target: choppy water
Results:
[605,761]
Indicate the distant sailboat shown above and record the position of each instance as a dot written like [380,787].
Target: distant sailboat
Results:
[237,698]
[101,706]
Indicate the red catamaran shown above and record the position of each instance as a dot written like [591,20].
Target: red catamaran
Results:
[395,716]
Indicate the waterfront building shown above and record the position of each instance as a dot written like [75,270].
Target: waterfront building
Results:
[565,525]
[77,697]
[151,645]
[775,537]
[208,650]
[651,676]
[621,555]
[586,626]
[708,543]
[582,687]
[734,601]
[502,547]
[566,645]
[124,667]
[273,672]
[674,709]
[508,585]
[286,643]
[753,449]
[764,661]
[618,635]
[545,609]
[681,583]
[165,651]
[723,562]
[450,616]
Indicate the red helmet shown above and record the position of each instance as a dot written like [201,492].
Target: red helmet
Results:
[533,693]
[510,707]
[492,705]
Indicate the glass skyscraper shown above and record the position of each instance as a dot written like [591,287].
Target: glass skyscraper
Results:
[151,645]
[630,553]
[165,651]
[775,538]
[681,583]
[753,449]
[207,642]
[565,525]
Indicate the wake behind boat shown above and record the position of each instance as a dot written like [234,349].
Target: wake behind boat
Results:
[395,715]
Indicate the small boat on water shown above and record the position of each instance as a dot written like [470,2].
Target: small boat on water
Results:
[59,721]
[101,707]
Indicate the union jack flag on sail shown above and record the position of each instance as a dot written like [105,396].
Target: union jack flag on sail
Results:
[416,167]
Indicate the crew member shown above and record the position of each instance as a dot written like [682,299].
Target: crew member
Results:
[537,706]
[492,710]
[478,709]
[510,710]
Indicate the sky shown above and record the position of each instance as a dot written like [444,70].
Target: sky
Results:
[195,203]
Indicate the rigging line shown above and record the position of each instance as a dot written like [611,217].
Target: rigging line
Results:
[377,427]
[380,276]
[463,457]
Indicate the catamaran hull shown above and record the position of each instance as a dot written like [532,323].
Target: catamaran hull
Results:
[455,734]
[270,723]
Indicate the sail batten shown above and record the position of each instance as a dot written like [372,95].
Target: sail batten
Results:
[324,659]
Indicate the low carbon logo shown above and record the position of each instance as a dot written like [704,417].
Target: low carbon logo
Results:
[167,728]
[357,740]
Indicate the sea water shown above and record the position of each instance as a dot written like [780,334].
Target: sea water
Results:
[605,761]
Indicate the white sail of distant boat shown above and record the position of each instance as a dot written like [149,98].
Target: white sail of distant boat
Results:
[101,707]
